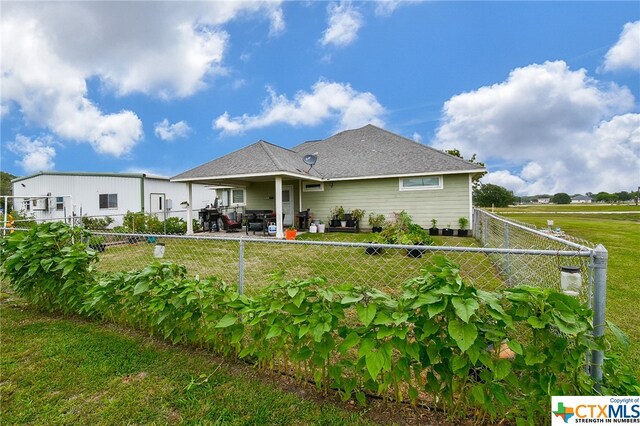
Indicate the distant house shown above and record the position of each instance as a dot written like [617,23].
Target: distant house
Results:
[59,195]
[544,200]
[367,168]
[581,199]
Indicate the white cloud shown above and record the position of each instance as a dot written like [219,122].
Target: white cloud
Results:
[170,132]
[344,23]
[558,130]
[162,49]
[506,179]
[52,94]
[626,52]
[327,101]
[387,7]
[417,137]
[37,155]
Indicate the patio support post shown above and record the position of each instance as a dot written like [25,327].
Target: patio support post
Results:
[279,221]
[189,210]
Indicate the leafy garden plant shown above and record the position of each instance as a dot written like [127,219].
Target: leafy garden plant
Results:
[438,340]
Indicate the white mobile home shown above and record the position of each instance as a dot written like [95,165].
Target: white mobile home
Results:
[59,195]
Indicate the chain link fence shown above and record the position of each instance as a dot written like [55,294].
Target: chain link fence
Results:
[502,253]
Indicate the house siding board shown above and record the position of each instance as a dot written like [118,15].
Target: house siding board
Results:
[85,190]
[383,196]
[258,193]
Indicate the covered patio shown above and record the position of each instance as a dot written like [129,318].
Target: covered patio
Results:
[261,177]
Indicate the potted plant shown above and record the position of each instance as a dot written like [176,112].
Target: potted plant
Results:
[403,231]
[334,220]
[290,233]
[356,216]
[463,231]
[434,229]
[448,232]
[371,250]
[97,243]
[415,236]
[341,217]
[376,221]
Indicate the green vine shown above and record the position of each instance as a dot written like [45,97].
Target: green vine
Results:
[438,340]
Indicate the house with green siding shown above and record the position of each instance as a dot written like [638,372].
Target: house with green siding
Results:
[367,168]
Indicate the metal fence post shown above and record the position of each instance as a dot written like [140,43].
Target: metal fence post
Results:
[241,267]
[485,230]
[4,220]
[507,256]
[600,258]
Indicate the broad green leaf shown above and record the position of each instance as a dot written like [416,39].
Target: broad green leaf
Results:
[430,327]
[366,314]
[425,299]
[385,332]
[621,337]
[299,298]
[304,329]
[515,346]
[292,291]
[463,334]
[413,350]
[227,321]
[351,299]
[532,356]
[274,331]
[141,287]
[374,362]
[399,318]
[569,327]
[464,307]
[502,367]
[537,322]
[478,393]
[458,362]
[350,341]
[366,346]
[435,308]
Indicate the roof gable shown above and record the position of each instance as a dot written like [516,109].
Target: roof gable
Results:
[365,152]
[258,158]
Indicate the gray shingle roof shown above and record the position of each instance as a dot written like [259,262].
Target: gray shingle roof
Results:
[256,159]
[366,152]
[372,151]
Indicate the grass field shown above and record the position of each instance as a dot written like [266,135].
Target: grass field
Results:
[68,371]
[620,234]
[264,259]
[580,208]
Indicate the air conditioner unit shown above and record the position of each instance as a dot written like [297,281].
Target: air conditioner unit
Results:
[40,204]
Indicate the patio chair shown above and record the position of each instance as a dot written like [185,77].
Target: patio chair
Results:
[230,225]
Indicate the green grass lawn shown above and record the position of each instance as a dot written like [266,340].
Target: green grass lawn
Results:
[70,371]
[263,260]
[620,234]
[582,208]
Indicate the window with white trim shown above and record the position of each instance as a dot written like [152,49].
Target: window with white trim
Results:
[312,186]
[420,183]
[108,201]
[238,196]
[59,203]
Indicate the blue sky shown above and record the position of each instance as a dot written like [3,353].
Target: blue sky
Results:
[545,93]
